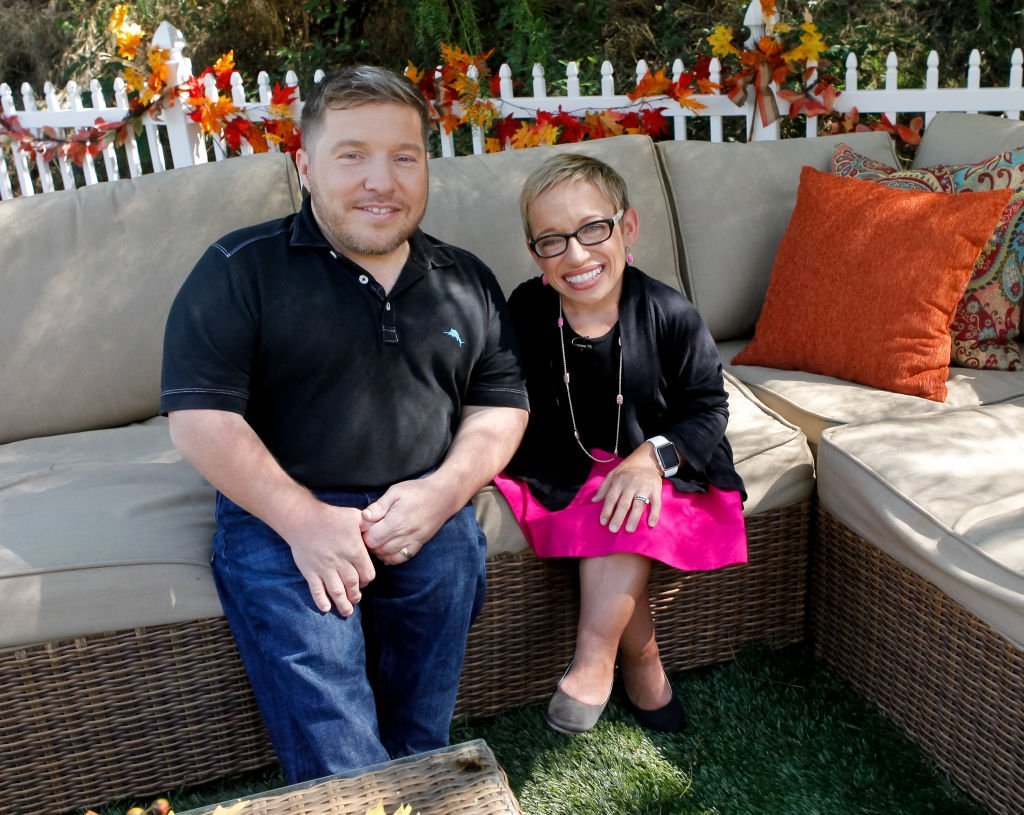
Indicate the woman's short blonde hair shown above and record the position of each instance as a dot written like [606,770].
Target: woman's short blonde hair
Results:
[571,167]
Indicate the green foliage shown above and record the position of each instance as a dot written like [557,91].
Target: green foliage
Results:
[68,39]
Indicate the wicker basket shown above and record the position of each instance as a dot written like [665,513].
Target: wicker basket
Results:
[138,712]
[954,685]
[461,780]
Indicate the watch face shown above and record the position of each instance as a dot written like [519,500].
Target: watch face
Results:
[668,456]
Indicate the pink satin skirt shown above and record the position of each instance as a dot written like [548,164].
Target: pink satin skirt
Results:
[696,531]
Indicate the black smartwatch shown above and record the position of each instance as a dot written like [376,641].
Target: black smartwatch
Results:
[668,458]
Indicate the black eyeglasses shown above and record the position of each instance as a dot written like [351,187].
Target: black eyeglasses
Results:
[590,234]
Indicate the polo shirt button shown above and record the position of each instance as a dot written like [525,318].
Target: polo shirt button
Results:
[334,254]
[364,279]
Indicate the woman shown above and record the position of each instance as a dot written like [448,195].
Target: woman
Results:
[625,459]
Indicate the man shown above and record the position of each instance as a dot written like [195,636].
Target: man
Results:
[347,383]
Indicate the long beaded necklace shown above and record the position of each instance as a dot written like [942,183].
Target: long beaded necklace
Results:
[568,394]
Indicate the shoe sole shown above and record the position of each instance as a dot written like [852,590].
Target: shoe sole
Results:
[563,730]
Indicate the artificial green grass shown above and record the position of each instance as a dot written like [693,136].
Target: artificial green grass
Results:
[772,733]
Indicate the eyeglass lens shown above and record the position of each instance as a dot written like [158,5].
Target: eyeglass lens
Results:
[588,235]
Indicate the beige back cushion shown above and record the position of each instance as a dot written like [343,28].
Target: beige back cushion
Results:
[733,202]
[474,203]
[87,278]
[965,138]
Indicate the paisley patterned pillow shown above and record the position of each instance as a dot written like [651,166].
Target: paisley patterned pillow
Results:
[987,323]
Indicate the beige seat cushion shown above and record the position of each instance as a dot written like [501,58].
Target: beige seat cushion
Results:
[101,531]
[943,494]
[474,203]
[814,402]
[88,276]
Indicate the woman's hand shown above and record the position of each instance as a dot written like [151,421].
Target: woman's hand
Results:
[637,475]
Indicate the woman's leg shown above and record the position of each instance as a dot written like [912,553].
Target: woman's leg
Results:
[610,590]
[639,659]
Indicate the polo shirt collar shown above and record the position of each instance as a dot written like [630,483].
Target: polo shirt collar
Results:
[425,253]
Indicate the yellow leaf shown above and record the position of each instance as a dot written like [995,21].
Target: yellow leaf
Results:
[720,41]
[128,35]
[157,58]
[225,63]
[134,79]
[810,47]
[378,809]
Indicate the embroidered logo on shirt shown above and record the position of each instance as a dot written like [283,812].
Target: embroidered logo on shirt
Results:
[451,332]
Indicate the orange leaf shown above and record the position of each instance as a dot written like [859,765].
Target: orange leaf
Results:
[455,57]
[492,146]
[257,140]
[610,120]
[908,135]
[686,100]
[450,122]
[414,74]
[225,63]
[651,85]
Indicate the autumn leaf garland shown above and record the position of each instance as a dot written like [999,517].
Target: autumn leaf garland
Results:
[784,63]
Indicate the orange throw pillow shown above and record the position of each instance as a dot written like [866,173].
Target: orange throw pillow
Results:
[866,282]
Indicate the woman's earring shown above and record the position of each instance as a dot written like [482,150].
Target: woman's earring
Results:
[629,256]
[544,280]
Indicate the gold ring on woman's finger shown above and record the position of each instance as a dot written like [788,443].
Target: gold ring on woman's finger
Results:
[404,552]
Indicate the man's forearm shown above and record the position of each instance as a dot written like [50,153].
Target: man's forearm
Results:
[483,444]
[228,453]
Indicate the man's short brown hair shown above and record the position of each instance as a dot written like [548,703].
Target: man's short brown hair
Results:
[359,85]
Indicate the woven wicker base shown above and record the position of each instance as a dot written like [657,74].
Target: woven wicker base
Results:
[138,712]
[946,678]
[98,718]
[526,634]
[461,780]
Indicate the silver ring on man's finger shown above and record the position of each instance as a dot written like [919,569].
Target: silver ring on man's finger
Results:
[404,552]
[642,498]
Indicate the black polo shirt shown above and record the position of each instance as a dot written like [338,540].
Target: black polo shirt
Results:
[347,387]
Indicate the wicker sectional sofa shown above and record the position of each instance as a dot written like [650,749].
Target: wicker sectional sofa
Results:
[117,671]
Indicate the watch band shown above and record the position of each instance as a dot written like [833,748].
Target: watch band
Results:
[660,443]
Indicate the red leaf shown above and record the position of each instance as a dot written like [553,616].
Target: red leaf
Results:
[282,96]
[505,129]
[703,67]
[654,122]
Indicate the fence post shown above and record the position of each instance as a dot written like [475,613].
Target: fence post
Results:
[183,136]
[1016,77]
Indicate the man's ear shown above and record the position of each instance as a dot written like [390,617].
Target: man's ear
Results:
[302,165]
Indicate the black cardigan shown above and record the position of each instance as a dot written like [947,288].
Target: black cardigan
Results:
[672,386]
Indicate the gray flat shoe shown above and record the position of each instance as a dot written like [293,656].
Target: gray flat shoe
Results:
[571,716]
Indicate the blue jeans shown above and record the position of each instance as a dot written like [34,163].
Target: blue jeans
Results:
[341,693]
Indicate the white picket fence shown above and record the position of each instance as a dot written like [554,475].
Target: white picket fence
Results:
[174,141]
